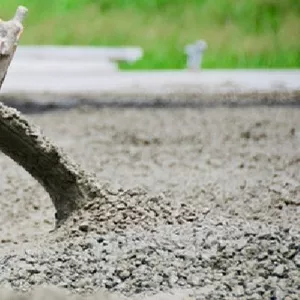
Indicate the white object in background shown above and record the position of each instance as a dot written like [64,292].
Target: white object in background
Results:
[38,67]
[79,53]
[194,54]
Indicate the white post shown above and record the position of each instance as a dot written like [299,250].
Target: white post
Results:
[194,54]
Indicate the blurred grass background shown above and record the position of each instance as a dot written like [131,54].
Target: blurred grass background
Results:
[239,33]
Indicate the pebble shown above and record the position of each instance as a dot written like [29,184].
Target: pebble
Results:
[84,226]
[238,291]
[279,271]
[297,260]
[262,256]
[193,280]
[172,279]
[124,274]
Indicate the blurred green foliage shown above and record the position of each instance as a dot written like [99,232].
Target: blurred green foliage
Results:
[239,33]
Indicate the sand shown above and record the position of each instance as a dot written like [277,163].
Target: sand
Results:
[199,202]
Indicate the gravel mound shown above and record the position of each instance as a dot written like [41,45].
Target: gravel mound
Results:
[118,210]
[215,258]
[215,214]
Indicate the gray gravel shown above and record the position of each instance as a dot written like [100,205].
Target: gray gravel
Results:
[215,258]
[200,202]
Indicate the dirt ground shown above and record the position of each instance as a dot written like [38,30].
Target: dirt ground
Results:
[210,202]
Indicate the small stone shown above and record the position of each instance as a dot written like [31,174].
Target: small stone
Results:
[297,260]
[221,246]
[112,282]
[84,227]
[284,250]
[205,210]
[241,244]
[63,284]
[276,294]
[33,271]
[272,281]
[238,291]
[193,280]
[279,271]
[157,279]
[291,254]
[262,256]
[30,260]
[114,188]
[82,283]
[258,281]
[250,287]
[172,279]
[124,274]
[255,296]
[181,282]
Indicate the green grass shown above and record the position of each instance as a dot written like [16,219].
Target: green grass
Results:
[239,33]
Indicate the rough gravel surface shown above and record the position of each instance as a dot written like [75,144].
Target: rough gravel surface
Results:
[197,203]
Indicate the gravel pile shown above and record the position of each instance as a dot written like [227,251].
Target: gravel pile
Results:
[214,258]
[118,210]
[215,214]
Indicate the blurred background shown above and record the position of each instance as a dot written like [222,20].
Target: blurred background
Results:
[239,33]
